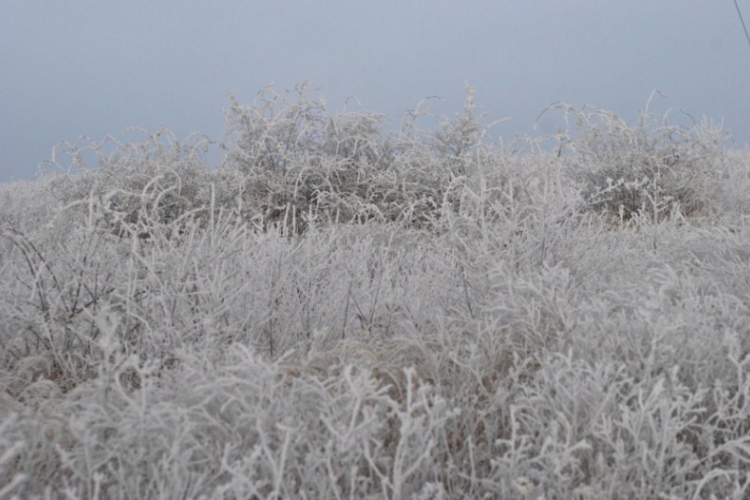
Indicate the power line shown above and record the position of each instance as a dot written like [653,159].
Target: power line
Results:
[742,21]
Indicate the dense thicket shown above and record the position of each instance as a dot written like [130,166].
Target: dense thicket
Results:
[344,311]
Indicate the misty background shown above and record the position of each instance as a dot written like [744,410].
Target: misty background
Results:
[92,68]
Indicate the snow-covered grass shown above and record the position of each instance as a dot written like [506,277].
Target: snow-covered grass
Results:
[343,312]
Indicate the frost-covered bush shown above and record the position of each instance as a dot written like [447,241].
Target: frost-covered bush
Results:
[135,185]
[653,168]
[289,159]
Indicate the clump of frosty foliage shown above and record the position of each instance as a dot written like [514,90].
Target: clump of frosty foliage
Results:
[654,168]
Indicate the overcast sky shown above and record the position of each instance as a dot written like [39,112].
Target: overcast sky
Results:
[94,67]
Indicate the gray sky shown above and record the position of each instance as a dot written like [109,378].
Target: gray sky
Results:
[94,67]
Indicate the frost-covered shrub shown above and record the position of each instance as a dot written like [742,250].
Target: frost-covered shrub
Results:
[286,156]
[653,168]
[136,185]
[288,159]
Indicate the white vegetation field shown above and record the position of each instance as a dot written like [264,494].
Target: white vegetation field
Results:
[341,312]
